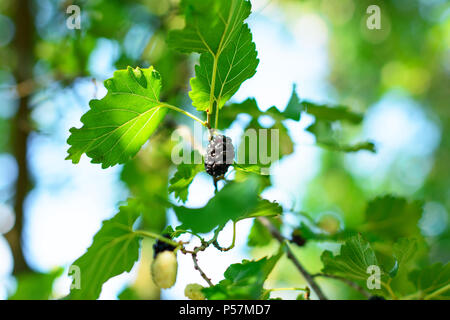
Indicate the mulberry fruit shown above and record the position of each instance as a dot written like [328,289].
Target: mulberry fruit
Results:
[164,266]
[193,291]
[164,269]
[219,155]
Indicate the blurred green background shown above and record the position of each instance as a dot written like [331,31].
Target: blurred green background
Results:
[398,76]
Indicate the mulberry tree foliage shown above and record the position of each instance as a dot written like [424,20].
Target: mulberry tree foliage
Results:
[116,127]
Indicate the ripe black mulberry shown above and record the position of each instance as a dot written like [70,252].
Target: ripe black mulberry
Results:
[219,155]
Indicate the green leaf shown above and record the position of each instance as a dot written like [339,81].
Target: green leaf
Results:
[337,113]
[183,178]
[392,218]
[355,257]
[294,108]
[229,113]
[249,106]
[328,137]
[259,235]
[216,29]
[114,250]
[233,202]
[244,280]
[433,282]
[404,250]
[264,208]
[210,24]
[261,147]
[235,64]
[35,286]
[116,127]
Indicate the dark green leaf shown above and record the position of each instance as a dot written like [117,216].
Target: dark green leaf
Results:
[392,218]
[234,201]
[338,113]
[294,107]
[327,137]
[244,280]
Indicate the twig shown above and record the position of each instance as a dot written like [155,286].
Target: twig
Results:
[277,235]
[197,267]
[350,283]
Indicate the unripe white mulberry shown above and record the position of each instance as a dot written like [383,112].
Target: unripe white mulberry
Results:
[164,269]
[193,291]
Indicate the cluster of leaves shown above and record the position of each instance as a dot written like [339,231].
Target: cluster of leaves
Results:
[117,126]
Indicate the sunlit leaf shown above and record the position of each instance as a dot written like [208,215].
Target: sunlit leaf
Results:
[116,127]
[235,64]
[216,29]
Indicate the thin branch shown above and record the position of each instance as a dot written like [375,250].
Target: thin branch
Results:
[350,283]
[197,267]
[277,235]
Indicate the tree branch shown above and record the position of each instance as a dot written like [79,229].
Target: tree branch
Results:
[308,277]
[23,46]
[197,267]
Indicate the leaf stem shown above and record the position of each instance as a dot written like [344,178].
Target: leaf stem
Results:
[389,289]
[233,242]
[152,235]
[437,292]
[216,125]
[190,115]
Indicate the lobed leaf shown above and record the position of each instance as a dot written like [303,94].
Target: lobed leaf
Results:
[114,250]
[244,280]
[216,30]
[392,218]
[235,64]
[355,257]
[116,127]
